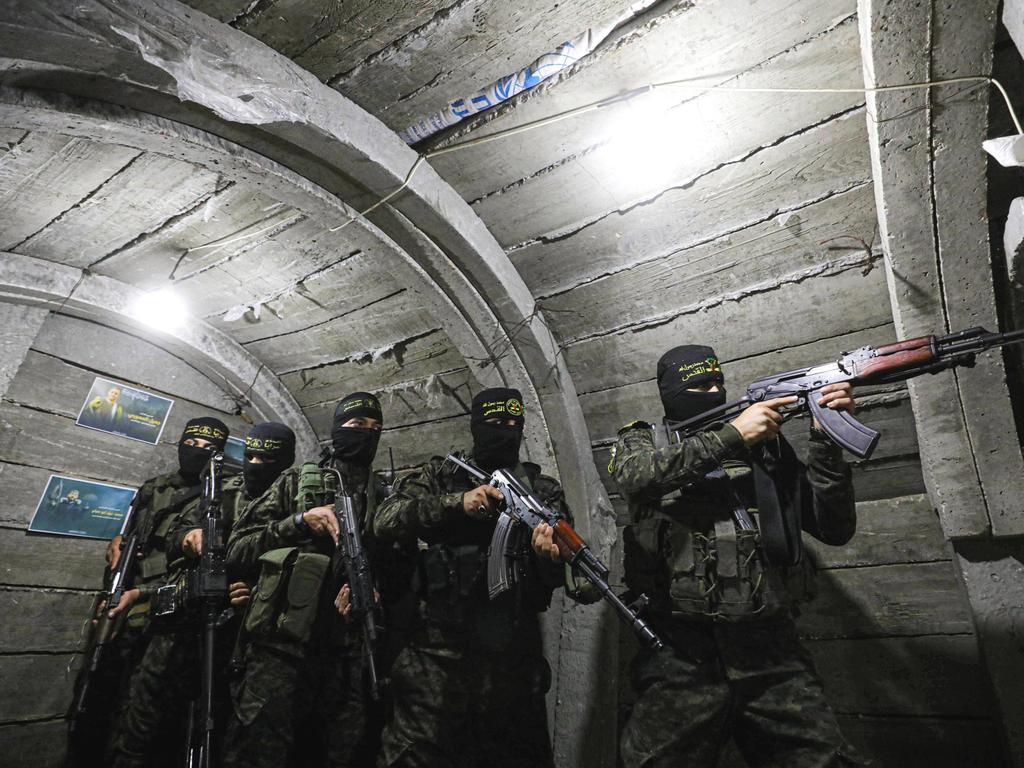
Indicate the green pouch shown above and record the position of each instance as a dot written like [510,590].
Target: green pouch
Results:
[302,599]
[152,565]
[265,603]
[316,487]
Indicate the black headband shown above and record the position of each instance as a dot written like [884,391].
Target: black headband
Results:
[206,428]
[358,405]
[497,403]
[271,439]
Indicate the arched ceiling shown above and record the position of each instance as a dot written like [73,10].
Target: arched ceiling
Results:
[145,138]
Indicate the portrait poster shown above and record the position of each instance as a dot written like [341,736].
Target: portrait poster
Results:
[73,507]
[125,411]
[234,451]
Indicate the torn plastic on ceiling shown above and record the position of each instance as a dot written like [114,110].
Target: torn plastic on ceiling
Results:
[504,88]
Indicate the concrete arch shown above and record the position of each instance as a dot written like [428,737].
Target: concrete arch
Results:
[37,282]
[154,56]
[135,71]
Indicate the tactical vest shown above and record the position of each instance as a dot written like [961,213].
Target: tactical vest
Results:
[289,595]
[451,577]
[688,555]
[165,501]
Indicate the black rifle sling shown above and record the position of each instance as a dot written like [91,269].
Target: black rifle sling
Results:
[782,494]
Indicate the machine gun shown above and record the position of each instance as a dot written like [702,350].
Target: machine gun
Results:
[350,559]
[106,628]
[520,513]
[868,365]
[208,585]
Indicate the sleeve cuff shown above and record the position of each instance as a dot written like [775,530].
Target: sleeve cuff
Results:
[288,532]
[731,440]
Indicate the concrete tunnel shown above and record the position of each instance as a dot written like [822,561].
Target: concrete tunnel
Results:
[253,208]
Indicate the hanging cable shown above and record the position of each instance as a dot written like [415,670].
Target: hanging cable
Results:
[678,85]
[626,96]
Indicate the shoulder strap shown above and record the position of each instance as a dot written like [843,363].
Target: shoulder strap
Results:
[780,502]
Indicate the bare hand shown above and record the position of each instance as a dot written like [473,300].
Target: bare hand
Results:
[481,503]
[193,542]
[544,542]
[323,522]
[761,421]
[837,397]
[114,551]
[343,601]
[128,599]
[238,593]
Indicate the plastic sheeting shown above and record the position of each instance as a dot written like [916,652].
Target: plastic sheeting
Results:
[503,89]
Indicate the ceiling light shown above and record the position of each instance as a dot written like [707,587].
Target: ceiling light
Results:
[162,310]
[643,140]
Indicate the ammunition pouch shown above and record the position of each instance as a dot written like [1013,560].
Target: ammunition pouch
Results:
[709,568]
[316,487]
[152,566]
[284,604]
[449,576]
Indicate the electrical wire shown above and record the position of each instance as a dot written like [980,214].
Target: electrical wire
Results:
[627,95]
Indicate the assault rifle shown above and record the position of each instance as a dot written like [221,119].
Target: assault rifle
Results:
[351,559]
[868,365]
[208,584]
[106,628]
[519,514]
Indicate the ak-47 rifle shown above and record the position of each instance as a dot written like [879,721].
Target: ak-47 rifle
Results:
[867,365]
[519,514]
[106,628]
[351,560]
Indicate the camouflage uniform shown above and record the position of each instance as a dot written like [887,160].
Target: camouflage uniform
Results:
[157,504]
[302,700]
[152,727]
[469,686]
[732,665]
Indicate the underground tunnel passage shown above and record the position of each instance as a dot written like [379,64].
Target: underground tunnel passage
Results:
[240,238]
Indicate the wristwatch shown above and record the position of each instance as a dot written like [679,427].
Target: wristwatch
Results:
[300,522]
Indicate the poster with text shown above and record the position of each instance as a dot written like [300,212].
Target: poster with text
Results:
[125,411]
[73,507]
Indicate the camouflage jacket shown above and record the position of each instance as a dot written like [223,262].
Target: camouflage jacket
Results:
[267,522]
[160,501]
[682,547]
[303,604]
[232,501]
[427,506]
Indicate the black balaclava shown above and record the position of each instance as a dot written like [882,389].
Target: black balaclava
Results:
[191,460]
[682,368]
[356,445]
[275,443]
[496,446]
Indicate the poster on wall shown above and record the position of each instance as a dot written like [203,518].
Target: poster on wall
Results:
[234,451]
[126,411]
[73,507]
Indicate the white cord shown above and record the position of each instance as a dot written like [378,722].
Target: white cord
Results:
[677,84]
[246,236]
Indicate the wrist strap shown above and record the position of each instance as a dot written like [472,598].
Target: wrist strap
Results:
[300,522]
